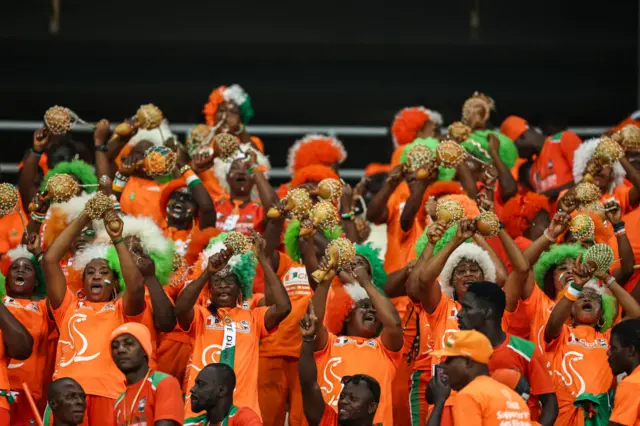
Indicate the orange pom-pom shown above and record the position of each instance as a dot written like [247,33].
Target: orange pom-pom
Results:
[315,173]
[520,210]
[215,99]
[407,123]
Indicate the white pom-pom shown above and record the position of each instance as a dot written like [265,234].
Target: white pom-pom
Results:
[236,94]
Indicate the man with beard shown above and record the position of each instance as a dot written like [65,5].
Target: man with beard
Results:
[360,394]
[151,397]
[212,392]
[66,403]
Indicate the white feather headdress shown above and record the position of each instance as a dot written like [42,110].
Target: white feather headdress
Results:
[150,235]
[236,94]
[92,251]
[18,252]
[466,251]
[221,168]
[584,153]
[157,136]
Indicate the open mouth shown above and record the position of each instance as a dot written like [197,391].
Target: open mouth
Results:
[369,318]
[587,307]
[19,281]
[96,287]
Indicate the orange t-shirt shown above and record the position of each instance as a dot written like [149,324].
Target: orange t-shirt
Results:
[348,355]
[33,315]
[11,230]
[159,399]
[248,217]
[287,340]
[423,361]
[486,402]
[243,417]
[84,350]
[579,364]
[141,197]
[554,166]
[626,405]
[523,356]
[538,308]
[211,184]
[444,322]
[400,243]
[207,332]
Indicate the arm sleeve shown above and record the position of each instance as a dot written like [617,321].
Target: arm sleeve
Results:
[67,302]
[198,320]
[247,417]
[467,411]
[626,405]
[258,315]
[169,405]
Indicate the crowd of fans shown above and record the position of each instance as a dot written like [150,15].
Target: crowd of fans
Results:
[485,276]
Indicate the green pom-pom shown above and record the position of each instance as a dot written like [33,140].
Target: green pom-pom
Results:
[508,151]
[78,168]
[218,238]
[422,242]
[554,257]
[378,274]
[163,261]
[291,242]
[609,311]
[444,173]
[114,264]
[3,288]
[246,111]
[333,233]
[245,272]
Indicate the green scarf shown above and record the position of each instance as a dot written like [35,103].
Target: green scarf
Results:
[597,408]
[232,412]
[228,354]
[46,420]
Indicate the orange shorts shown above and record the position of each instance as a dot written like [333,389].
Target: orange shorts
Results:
[279,391]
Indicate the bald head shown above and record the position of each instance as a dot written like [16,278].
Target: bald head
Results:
[213,385]
[67,401]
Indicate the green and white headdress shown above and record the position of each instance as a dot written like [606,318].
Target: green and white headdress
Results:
[243,266]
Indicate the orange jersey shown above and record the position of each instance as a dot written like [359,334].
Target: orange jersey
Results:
[400,243]
[207,332]
[579,364]
[84,352]
[407,312]
[348,355]
[523,356]
[443,322]
[248,217]
[286,341]
[244,416]
[486,402]
[141,197]
[423,360]
[4,378]
[33,315]
[626,405]
[538,308]
[554,166]
[159,399]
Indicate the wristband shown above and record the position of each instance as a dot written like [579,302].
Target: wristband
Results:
[184,169]
[36,153]
[118,241]
[39,257]
[501,225]
[618,226]
[102,148]
[610,281]
[573,292]
[254,168]
[37,217]
[619,233]
[194,182]
[309,339]
[348,216]
[548,236]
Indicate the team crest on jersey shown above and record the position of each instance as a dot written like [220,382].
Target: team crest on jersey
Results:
[108,307]
[214,323]
[243,327]
[597,343]
[341,341]
[142,404]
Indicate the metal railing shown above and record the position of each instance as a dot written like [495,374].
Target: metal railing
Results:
[264,130]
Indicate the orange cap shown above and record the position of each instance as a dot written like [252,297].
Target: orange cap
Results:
[139,331]
[469,344]
[513,127]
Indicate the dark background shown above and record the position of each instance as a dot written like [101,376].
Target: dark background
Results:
[331,63]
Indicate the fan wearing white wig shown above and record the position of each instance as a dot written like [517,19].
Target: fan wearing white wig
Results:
[457,263]
[608,176]
[105,271]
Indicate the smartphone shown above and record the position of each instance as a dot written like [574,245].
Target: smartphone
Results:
[438,370]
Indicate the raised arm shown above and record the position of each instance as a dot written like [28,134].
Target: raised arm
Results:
[53,274]
[396,281]
[392,335]
[28,175]
[133,299]
[613,212]
[435,231]
[100,136]
[501,271]
[319,300]
[206,209]
[627,302]
[312,401]
[633,175]
[508,186]
[281,306]
[164,318]
[347,203]
[414,202]
[521,269]
[558,225]
[377,211]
